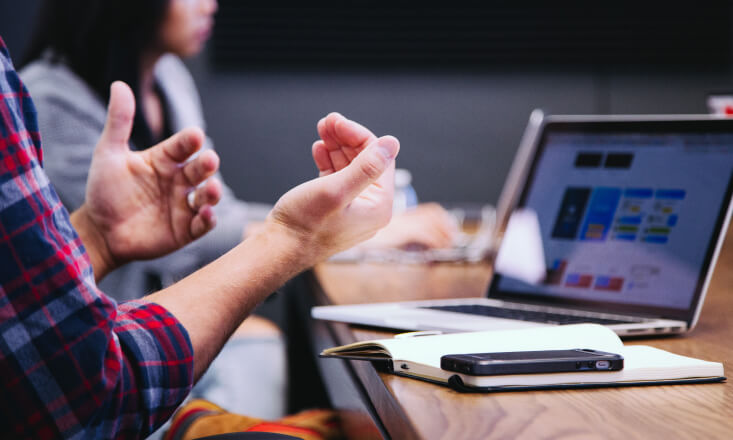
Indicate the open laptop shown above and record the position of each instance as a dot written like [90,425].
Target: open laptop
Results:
[632,213]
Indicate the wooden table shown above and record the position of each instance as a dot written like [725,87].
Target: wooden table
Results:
[377,404]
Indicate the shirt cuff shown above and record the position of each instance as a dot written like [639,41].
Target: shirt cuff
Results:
[159,356]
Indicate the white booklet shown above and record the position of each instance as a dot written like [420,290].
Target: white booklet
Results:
[419,357]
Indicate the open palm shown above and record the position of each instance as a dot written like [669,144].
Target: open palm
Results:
[138,200]
[352,198]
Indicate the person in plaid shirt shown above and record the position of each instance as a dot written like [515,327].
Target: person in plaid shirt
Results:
[73,363]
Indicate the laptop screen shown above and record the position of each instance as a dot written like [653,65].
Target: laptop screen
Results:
[630,213]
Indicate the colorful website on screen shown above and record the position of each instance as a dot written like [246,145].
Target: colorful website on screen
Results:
[627,218]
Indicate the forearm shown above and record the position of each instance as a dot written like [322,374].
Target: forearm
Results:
[96,246]
[212,302]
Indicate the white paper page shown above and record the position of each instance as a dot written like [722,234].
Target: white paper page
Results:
[427,350]
[643,363]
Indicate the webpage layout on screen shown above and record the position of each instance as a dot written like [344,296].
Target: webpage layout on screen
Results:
[627,218]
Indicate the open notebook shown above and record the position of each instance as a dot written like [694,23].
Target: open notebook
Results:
[419,357]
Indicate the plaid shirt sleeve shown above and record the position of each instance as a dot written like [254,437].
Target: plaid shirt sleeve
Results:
[73,364]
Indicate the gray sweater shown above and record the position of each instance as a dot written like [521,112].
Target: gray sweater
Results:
[71,118]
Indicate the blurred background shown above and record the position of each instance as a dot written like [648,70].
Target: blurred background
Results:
[455,83]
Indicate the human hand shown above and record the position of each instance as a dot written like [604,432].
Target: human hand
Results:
[136,203]
[428,226]
[308,224]
[351,199]
[341,141]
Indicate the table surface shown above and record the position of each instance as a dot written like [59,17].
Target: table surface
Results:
[409,408]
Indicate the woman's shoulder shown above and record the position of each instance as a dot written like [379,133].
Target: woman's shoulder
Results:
[53,83]
[180,90]
[173,75]
[171,67]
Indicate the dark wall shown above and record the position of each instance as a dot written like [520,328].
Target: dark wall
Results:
[458,131]
[16,18]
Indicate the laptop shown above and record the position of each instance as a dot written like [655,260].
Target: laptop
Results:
[632,213]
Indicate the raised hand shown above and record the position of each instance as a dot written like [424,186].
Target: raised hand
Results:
[137,203]
[308,224]
[351,200]
[341,141]
[429,225]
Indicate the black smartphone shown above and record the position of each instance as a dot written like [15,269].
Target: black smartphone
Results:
[530,362]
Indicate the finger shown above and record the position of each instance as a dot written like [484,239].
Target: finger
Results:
[201,168]
[120,116]
[435,237]
[206,194]
[331,120]
[369,167]
[203,222]
[441,238]
[429,241]
[439,218]
[325,132]
[350,153]
[338,132]
[434,214]
[179,147]
[338,159]
[341,154]
[322,158]
[343,138]
[352,136]
[441,232]
[450,226]
[386,180]
[423,229]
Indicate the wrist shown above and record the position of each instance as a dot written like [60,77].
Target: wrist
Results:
[94,242]
[297,247]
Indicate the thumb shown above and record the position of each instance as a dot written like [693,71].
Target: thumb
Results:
[120,114]
[369,167]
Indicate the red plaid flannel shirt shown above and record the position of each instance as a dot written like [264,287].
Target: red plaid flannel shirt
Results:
[73,364]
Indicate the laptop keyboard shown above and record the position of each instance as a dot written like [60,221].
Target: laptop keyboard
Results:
[530,315]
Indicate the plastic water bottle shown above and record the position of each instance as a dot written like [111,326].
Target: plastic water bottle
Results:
[405,196]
